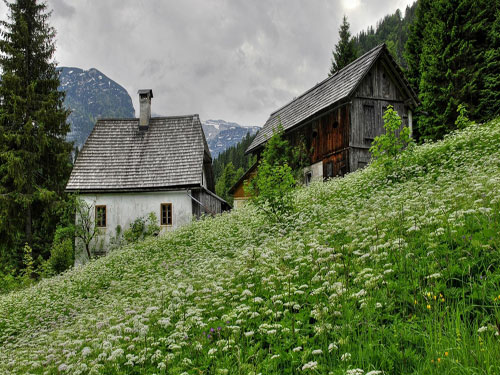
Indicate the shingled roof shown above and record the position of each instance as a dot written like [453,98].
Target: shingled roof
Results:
[339,86]
[119,157]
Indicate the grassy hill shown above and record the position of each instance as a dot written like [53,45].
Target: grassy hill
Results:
[379,272]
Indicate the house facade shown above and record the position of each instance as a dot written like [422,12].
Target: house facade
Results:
[338,119]
[129,168]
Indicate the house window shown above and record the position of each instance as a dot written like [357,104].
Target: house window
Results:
[100,216]
[166,214]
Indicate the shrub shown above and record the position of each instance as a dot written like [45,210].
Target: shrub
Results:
[271,188]
[141,228]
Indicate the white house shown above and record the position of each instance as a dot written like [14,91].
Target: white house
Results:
[129,168]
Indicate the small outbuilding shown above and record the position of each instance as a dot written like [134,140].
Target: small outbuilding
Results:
[129,168]
[338,119]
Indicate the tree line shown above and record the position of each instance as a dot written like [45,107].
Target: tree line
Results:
[35,159]
[230,165]
[450,51]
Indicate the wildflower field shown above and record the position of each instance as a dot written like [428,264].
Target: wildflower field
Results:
[385,271]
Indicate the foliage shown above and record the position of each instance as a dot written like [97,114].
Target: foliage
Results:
[271,188]
[386,147]
[226,181]
[86,231]
[34,157]
[385,277]
[462,120]
[393,30]
[62,250]
[29,269]
[142,228]
[240,164]
[452,51]
[345,50]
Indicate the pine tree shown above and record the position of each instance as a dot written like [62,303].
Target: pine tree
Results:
[489,106]
[345,50]
[34,156]
[452,50]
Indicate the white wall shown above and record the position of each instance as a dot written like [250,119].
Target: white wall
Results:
[122,209]
[316,170]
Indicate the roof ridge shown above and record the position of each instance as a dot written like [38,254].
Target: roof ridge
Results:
[380,46]
[152,118]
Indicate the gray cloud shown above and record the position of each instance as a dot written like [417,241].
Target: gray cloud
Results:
[238,60]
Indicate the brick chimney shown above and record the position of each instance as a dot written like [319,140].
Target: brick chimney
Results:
[145,97]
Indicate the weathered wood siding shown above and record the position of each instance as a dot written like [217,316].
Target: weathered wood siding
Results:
[210,205]
[327,139]
[377,90]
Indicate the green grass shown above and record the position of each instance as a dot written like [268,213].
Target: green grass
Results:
[393,272]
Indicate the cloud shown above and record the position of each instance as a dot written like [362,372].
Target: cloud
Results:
[238,60]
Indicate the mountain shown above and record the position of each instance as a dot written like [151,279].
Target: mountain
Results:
[221,134]
[90,94]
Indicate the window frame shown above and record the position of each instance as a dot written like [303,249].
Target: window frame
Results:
[167,205]
[97,221]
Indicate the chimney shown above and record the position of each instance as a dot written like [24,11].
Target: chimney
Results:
[145,108]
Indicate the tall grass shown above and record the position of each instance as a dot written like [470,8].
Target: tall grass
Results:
[393,272]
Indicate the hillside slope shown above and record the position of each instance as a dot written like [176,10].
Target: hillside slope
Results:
[374,273]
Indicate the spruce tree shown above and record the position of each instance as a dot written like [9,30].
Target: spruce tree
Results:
[345,50]
[489,105]
[453,59]
[34,156]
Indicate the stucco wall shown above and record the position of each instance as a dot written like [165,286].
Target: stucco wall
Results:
[123,209]
[316,170]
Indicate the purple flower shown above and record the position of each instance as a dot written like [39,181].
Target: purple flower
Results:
[219,328]
[212,330]
[209,336]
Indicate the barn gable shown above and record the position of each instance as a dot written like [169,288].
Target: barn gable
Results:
[337,89]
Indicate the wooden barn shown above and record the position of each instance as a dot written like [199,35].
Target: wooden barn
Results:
[338,118]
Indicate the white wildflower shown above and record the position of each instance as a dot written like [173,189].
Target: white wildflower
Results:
[310,366]
[317,352]
[355,371]
[86,351]
[374,372]
[249,333]
[331,347]
[434,276]
[297,349]
[345,357]
[62,367]
[482,329]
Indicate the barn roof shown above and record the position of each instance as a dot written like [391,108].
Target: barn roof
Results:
[339,86]
[118,156]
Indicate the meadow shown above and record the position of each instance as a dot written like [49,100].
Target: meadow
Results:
[386,271]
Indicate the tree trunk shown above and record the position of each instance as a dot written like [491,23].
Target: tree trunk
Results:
[27,228]
[88,250]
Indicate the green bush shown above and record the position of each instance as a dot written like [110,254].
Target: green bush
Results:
[141,228]
[386,147]
[271,188]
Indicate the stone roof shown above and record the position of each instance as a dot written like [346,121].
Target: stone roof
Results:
[117,156]
[339,86]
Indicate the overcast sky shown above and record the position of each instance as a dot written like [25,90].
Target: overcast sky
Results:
[236,60]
